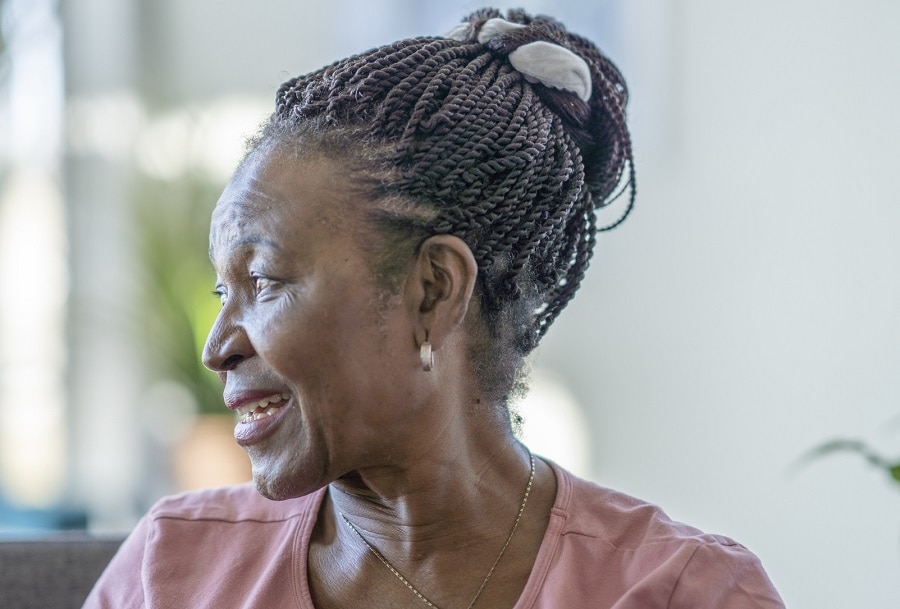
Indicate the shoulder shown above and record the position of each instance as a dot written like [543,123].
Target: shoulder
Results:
[619,519]
[645,556]
[230,504]
[206,548]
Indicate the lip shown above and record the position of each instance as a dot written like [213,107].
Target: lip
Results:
[252,432]
[258,430]
[235,400]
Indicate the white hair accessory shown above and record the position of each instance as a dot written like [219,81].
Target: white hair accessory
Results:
[542,62]
[459,32]
[553,66]
[496,26]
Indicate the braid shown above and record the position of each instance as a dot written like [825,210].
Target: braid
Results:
[451,139]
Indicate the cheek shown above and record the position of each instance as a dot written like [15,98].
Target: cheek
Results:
[331,328]
[294,332]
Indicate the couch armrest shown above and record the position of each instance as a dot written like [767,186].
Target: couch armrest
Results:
[53,572]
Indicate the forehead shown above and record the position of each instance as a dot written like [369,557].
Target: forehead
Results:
[271,196]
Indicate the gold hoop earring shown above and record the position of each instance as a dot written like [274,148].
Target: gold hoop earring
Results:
[426,356]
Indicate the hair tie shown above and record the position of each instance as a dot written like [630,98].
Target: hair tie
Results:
[541,62]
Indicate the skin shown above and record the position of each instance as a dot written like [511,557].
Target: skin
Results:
[426,469]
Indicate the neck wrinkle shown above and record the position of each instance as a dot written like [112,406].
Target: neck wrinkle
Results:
[472,502]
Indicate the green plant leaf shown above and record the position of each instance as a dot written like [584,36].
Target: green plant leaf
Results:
[854,446]
[895,472]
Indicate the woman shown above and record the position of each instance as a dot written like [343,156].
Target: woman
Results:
[400,235]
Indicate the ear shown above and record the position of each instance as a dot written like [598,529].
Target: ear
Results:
[440,287]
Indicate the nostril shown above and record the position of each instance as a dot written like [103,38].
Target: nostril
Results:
[231,362]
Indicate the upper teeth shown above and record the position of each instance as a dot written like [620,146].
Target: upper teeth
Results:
[272,399]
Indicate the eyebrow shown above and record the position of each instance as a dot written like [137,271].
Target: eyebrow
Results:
[253,240]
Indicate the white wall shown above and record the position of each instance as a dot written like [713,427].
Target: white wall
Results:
[748,310]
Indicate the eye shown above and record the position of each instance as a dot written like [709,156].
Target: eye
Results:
[220,293]
[263,284]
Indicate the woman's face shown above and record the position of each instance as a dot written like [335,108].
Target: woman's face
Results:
[319,364]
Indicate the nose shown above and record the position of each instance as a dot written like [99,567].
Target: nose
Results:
[227,344]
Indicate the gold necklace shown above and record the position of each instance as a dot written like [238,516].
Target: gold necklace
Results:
[484,582]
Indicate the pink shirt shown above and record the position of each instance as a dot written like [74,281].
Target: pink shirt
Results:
[230,547]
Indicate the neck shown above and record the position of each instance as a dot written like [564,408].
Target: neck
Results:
[445,519]
[446,494]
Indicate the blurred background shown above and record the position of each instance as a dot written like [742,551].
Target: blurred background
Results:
[745,314]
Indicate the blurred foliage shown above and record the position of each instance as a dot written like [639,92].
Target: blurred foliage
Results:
[172,220]
[890,467]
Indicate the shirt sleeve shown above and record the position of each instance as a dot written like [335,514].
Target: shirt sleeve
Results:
[120,585]
[724,575]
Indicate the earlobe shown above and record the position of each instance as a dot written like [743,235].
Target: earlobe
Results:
[444,280]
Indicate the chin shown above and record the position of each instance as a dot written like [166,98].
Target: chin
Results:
[272,488]
[279,486]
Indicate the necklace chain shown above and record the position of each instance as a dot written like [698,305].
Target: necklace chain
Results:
[487,577]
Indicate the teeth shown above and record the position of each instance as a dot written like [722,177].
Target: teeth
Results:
[255,416]
[257,410]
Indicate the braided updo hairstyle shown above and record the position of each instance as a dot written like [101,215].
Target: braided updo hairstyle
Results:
[445,136]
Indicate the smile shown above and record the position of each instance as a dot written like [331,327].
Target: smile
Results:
[261,409]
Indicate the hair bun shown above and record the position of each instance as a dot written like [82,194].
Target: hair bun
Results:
[576,81]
